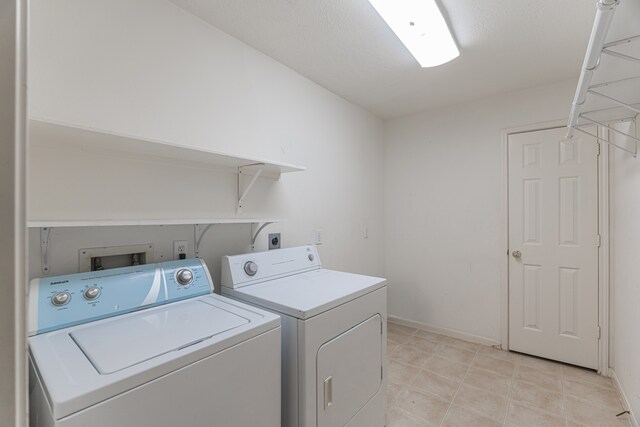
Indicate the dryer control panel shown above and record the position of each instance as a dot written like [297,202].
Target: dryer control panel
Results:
[57,302]
[249,269]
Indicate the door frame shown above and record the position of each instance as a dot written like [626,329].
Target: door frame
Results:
[603,229]
[13,232]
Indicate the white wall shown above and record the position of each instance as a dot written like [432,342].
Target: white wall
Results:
[150,69]
[625,269]
[65,242]
[13,373]
[443,212]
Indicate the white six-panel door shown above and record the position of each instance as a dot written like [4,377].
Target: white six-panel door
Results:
[553,246]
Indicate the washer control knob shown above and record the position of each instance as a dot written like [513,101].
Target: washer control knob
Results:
[184,276]
[92,293]
[61,298]
[311,257]
[251,268]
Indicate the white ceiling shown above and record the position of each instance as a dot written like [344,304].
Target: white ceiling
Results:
[346,47]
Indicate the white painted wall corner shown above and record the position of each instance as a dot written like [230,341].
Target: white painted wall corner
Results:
[445,331]
[623,396]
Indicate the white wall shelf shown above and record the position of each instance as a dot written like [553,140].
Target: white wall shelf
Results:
[609,87]
[43,131]
[47,133]
[137,222]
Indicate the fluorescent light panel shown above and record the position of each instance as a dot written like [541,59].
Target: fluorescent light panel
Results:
[421,28]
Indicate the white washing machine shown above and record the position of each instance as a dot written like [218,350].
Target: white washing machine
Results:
[334,328]
[150,346]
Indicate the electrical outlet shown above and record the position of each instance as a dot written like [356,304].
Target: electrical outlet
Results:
[180,248]
[274,241]
[318,236]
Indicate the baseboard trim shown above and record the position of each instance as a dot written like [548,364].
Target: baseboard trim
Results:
[445,331]
[625,400]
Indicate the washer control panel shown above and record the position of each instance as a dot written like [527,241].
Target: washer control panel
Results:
[57,302]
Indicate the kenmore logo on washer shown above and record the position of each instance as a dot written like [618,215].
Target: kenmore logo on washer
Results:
[57,283]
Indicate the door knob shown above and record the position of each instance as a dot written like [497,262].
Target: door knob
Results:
[516,254]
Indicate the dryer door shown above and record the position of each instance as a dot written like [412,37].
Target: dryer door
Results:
[349,372]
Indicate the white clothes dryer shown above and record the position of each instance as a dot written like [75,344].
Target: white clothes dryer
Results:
[149,345]
[333,334]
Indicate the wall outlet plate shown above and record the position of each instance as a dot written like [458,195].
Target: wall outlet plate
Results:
[274,241]
[180,248]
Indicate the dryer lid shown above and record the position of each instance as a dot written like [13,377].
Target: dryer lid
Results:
[307,294]
[128,340]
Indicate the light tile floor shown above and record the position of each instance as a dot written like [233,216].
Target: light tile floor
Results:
[435,380]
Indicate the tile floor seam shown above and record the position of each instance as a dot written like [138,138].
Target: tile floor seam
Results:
[398,408]
[532,384]
[475,387]
[407,413]
[487,371]
[513,379]
[564,402]
[593,402]
[459,387]
[538,408]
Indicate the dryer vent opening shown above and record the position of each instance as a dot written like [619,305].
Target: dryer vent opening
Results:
[105,258]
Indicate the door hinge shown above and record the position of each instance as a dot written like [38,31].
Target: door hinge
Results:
[599,332]
[598,148]
[599,240]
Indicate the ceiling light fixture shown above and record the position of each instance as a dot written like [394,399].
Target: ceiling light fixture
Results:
[420,26]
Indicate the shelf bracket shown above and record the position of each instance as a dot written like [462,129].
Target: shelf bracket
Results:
[613,82]
[615,101]
[254,236]
[598,110]
[620,55]
[632,152]
[45,233]
[199,231]
[621,41]
[242,194]
[613,129]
